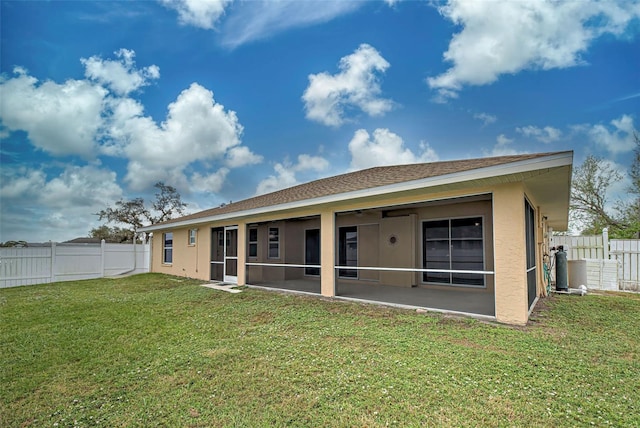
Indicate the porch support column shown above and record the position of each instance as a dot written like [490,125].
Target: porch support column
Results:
[327,253]
[510,254]
[242,253]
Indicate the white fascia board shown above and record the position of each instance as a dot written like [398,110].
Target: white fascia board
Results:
[527,165]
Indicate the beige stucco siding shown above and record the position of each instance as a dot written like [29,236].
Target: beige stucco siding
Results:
[504,238]
[328,253]
[398,237]
[368,252]
[510,263]
[188,260]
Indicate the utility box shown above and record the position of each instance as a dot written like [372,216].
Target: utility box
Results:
[596,274]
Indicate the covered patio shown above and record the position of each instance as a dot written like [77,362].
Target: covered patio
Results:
[444,300]
[463,236]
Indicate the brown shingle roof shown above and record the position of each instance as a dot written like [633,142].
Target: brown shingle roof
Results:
[358,180]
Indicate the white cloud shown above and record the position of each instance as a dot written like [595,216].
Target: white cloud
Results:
[385,148]
[197,128]
[59,208]
[121,75]
[355,86]
[140,175]
[486,118]
[61,119]
[211,183]
[427,153]
[22,183]
[258,20]
[505,37]
[199,13]
[311,163]
[240,156]
[285,173]
[283,178]
[503,147]
[546,135]
[86,186]
[89,118]
[618,140]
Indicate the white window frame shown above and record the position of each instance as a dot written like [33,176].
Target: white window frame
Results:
[166,247]
[253,244]
[276,243]
[193,233]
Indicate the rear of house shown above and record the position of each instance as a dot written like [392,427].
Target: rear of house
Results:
[461,236]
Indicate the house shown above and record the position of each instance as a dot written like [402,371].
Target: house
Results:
[465,236]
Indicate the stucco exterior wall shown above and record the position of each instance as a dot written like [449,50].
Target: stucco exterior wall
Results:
[398,248]
[188,260]
[369,253]
[510,262]
[328,253]
[504,237]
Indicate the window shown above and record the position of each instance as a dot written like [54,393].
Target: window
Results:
[274,243]
[253,242]
[167,253]
[453,244]
[348,251]
[192,236]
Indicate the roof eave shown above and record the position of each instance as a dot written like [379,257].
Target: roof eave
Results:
[544,162]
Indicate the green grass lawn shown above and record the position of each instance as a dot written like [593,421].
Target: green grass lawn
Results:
[155,350]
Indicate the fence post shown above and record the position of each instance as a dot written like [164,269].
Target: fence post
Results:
[53,261]
[102,245]
[605,243]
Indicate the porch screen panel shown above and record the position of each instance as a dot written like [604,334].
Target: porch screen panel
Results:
[531,251]
[454,244]
[348,251]
[312,251]
[231,252]
[217,254]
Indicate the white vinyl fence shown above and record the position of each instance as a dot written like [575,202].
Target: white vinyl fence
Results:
[68,262]
[626,252]
[602,251]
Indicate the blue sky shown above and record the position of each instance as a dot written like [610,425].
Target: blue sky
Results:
[228,99]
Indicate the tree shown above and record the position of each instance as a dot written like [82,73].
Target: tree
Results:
[589,207]
[589,187]
[135,214]
[112,234]
[167,203]
[14,244]
[630,211]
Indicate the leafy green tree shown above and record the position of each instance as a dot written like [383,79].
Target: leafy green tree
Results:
[112,234]
[14,244]
[134,214]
